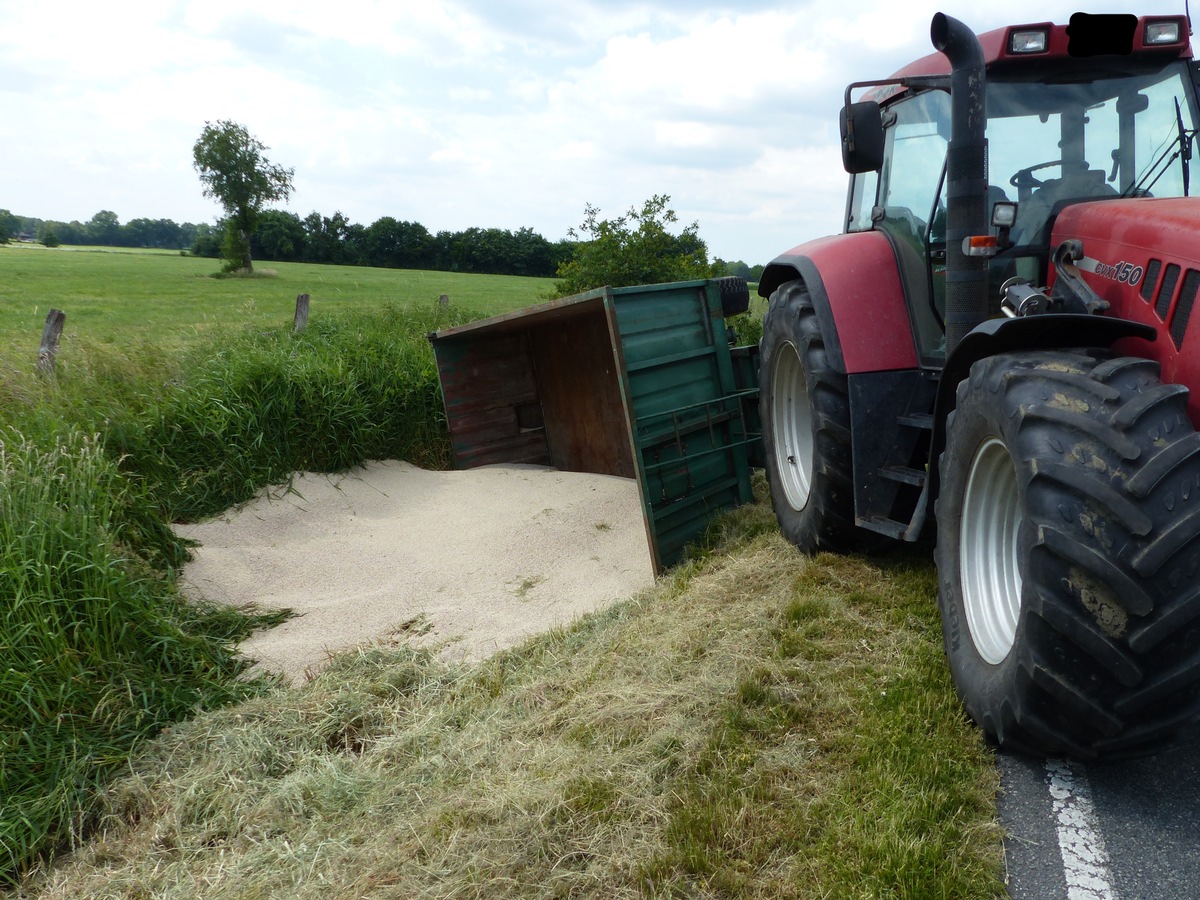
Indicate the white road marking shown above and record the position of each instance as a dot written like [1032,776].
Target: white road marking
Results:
[1085,860]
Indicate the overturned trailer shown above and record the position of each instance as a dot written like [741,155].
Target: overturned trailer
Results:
[638,382]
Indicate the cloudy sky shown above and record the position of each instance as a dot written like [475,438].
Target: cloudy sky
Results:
[460,113]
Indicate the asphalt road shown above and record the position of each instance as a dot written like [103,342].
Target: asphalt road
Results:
[1118,831]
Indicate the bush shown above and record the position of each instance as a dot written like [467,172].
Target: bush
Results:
[48,237]
[635,248]
[208,243]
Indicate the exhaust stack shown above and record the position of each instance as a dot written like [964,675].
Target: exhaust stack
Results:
[966,177]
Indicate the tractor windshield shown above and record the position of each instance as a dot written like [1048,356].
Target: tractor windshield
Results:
[1051,142]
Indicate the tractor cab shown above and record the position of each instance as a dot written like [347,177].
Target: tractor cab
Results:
[1062,128]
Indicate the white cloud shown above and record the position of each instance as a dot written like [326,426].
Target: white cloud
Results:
[461,113]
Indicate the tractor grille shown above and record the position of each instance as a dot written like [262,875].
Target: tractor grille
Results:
[1150,282]
[1161,294]
[1166,291]
[1183,307]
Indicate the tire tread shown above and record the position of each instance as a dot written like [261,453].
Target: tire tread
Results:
[1107,656]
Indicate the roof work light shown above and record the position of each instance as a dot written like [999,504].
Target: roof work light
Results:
[1162,32]
[1033,40]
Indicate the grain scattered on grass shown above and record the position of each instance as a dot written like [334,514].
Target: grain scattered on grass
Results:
[757,725]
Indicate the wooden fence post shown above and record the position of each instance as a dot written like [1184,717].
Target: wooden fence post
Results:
[300,322]
[50,335]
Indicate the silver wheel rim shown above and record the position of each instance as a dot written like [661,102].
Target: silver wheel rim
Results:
[989,562]
[792,418]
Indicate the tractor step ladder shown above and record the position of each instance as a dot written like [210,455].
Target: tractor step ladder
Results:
[890,476]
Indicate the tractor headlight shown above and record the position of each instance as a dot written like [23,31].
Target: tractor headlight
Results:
[1028,41]
[1162,32]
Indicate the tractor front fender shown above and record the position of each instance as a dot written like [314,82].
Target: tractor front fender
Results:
[854,282]
[1044,332]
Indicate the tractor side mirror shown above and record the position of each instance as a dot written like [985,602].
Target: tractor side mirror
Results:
[862,137]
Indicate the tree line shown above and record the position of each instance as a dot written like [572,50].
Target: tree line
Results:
[285,237]
[104,229]
[235,171]
[391,243]
[634,248]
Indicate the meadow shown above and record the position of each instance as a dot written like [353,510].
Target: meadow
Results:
[758,724]
[120,297]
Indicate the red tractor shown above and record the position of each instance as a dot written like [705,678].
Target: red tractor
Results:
[1001,341]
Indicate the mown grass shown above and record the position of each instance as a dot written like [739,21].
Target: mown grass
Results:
[757,725]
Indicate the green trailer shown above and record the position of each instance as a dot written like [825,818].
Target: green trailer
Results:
[639,382]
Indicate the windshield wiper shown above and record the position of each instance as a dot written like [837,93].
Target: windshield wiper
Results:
[1180,147]
[1185,148]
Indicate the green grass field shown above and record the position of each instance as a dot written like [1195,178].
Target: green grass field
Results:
[124,296]
[758,725]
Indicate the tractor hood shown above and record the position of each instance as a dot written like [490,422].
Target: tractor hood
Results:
[1135,230]
[1141,256]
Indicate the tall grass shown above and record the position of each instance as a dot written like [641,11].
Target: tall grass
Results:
[97,650]
[363,386]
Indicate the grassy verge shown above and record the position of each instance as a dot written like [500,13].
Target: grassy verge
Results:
[176,395]
[362,386]
[97,652]
[758,725]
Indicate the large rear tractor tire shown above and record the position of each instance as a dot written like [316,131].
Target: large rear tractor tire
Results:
[1068,553]
[805,409]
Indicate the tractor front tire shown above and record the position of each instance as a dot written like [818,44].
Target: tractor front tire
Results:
[1068,553]
[805,410]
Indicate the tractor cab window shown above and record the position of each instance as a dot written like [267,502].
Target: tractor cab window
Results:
[910,207]
[1052,143]
[913,160]
[863,188]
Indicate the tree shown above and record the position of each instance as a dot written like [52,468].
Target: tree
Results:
[235,172]
[531,254]
[280,236]
[104,229]
[47,236]
[354,240]
[9,225]
[207,240]
[162,233]
[329,238]
[740,269]
[73,232]
[400,245]
[635,248]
